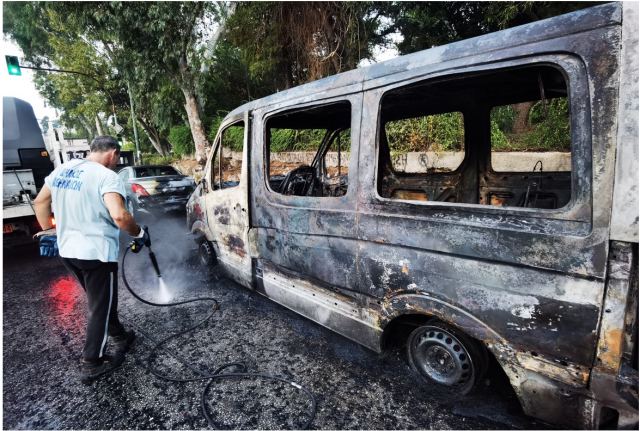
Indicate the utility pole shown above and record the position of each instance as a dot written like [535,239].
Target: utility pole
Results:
[135,127]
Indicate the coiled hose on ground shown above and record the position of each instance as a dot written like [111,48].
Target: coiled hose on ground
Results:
[240,369]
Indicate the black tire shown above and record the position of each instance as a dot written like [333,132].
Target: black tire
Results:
[206,254]
[446,357]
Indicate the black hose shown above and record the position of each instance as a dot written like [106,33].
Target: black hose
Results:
[241,369]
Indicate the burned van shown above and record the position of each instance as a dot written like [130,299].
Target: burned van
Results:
[473,200]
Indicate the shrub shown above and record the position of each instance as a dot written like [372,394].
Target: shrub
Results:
[499,141]
[181,140]
[442,132]
[157,159]
[551,126]
[128,146]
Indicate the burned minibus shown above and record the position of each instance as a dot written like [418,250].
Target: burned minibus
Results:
[474,200]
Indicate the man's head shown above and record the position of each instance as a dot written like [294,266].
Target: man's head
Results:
[105,150]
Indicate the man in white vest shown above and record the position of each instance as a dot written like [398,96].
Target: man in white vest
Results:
[88,200]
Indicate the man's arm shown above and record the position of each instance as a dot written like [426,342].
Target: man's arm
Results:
[42,207]
[122,218]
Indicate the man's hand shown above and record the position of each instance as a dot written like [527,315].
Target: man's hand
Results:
[51,231]
[141,240]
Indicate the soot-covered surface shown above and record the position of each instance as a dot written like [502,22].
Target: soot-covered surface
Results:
[44,318]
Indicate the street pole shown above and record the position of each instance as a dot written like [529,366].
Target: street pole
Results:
[135,127]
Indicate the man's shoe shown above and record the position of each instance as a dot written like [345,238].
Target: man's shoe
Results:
[122,343]
[91,371]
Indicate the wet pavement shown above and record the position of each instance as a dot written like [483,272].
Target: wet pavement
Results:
[43,327]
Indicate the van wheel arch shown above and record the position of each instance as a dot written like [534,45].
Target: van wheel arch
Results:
[403,329]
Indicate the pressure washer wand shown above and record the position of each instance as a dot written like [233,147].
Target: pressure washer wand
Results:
[154,262]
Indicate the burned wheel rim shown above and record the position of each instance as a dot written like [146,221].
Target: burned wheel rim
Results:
[441,357]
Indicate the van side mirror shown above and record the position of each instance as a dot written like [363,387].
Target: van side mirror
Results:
[203,181]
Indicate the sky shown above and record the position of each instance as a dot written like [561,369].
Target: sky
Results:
[22,86]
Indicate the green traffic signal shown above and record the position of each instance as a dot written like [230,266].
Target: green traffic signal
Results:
[13,65]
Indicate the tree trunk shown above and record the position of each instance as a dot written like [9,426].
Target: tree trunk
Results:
[156,141]
[159,143]
[521,122]
[195,123]
[99,127]
[87,126]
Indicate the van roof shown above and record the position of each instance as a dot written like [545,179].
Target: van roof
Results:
[575,22]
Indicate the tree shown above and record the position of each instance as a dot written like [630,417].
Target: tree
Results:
[290,43]
[427,24]
[44,124]
[154,47]
[48,37]
[167,38]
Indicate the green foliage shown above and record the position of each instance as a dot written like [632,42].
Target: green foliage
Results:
[128,146]
[157,159]
[76,134]
[215,125]
[499,140]
[288,140]
[284,44]
[549,128]
[233,137]
[503,116]
[181,140]
[295,139]
[427,24]
[443,132]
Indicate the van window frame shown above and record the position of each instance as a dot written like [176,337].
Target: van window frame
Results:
[217,142]
[354,99]
[580,206]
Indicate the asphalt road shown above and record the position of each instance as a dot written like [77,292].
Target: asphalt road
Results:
[43,327]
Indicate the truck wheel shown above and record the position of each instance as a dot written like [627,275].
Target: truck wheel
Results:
[442,355]
[207,254]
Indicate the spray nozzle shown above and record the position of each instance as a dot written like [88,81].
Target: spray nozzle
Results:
[154,262]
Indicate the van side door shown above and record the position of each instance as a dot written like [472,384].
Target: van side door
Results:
[303,209]
[226,200]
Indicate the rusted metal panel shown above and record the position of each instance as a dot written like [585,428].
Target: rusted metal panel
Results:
[548,313]
[612,328]
[624,218]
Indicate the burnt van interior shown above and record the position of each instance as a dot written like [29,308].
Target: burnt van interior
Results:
[497,138]
[309,151]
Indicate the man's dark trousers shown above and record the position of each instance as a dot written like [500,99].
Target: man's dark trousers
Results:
[100,282]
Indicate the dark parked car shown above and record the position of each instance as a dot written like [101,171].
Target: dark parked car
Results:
[156,188]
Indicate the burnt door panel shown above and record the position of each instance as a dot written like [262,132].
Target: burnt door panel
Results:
[313,235]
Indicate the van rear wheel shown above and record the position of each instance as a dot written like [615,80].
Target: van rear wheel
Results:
[442,355]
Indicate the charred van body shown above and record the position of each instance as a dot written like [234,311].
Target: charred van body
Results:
[465,250]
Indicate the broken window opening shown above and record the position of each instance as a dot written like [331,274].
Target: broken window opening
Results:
[227,161]
[476,138]
[307,150]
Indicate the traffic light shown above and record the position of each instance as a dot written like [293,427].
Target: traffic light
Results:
[13,65]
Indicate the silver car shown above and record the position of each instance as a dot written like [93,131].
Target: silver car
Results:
[156,188]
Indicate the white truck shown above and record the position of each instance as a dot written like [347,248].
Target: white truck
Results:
[26,163]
